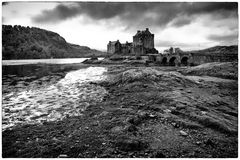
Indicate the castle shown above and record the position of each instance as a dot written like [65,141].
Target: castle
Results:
[142,48]
[143,44]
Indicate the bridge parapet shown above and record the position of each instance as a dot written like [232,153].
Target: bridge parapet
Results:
[188,58]
[176,59]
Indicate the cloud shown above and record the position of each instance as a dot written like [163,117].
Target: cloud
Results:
[167,44]
[233,37]
[5,3]
[182,21]
[138,13]
[60,13]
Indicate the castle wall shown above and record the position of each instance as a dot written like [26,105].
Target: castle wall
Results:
[138,50]
[143,43]
[127,48]
[148,41]
[110,48]
[114,47]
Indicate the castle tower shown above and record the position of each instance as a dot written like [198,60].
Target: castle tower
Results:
[143,41]
[114,47]
[145,38]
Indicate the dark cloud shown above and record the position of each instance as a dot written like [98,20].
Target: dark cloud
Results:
[139,13]
[60,13]
[208,7]
[5,3]
[179,22]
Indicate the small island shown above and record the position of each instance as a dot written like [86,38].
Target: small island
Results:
[162,81]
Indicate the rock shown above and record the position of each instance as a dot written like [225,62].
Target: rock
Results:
[209,142]
[192,154]
[62,156]
[105,156]
[95,123]
[152,116]
[135,120]
[6,110]
[55,139]
[131,144]
[158,154]
[145,85]
[198,142]
[203,112]
[174,124]
[172,108]
[167,111]
[117,129]
[104,113]
[131,128]
[180,106]
[182,133]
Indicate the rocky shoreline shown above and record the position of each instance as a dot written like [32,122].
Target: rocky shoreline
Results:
[146,112]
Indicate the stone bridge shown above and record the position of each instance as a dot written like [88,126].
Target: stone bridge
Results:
[177,59]
[186,59]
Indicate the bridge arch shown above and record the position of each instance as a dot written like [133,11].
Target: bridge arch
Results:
[173,61]
[184,61]
[164,61]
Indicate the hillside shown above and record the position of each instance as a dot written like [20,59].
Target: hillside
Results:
[32,43]
[218,50]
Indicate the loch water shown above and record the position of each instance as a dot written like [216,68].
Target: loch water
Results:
[35,93]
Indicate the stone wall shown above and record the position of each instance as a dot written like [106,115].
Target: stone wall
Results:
[114,47]
[127,48]
[148,41]
[143,43]
[203,58]
[138,50]
[184,59]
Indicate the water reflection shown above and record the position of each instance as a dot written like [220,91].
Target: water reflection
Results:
[39,70]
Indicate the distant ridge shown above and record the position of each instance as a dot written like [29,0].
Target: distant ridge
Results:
[217,50]
[21,42]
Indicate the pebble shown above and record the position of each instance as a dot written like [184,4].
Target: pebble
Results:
[152,116]
[62,156]
[174,124]
[203,112]
[55,139]
[117,129]
[182,133]
[167,111]
[172,108]
[180,106]
[198,142]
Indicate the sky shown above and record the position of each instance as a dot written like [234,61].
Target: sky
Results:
[187,25]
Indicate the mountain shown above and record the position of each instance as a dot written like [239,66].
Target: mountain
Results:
[218,50]
[20,42]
